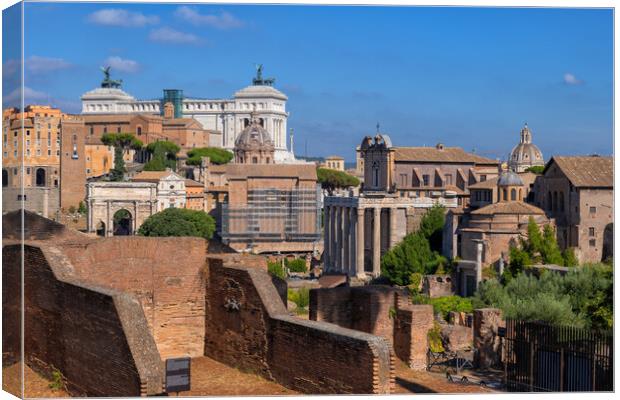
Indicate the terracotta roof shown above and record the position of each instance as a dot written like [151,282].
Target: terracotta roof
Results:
[301,171]
[488,184]
[192,183]
[509,207]
[445,155]
[151,176]
[586,171]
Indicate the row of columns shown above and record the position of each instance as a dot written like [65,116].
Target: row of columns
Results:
[344,239]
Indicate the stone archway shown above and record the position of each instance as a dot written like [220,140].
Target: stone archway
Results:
[100,228]
[122,223]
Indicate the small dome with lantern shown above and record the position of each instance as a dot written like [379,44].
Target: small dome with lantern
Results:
[526,154]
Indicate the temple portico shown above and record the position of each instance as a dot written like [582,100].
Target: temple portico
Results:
[360,229]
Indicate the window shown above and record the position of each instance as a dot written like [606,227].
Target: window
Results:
[27,132]
[20,197]
[105,129]
[28,171]
[91,131]
[592,210]
[483,178]
[88,170]
[426,179]
[448,179]
[591,232]
[513,194]
[38,152]
[139,130]
[118,129]
[592,242]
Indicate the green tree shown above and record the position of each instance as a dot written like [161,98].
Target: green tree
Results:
[431,226]
[82,208]
[534,243]
[519,259]
[583,297]
[331,179]
[121,142]
[216,155]
[536,169]
[418,252]
[179,222]
[570,259]
[163,155]
[549,251]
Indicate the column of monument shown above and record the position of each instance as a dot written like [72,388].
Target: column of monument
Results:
[352,237]
[359,259]
[326,237]
[346,240]
[339,239]
[393,232]
[376,242]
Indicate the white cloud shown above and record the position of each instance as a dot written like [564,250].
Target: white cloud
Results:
[571,79]
[30,96]
[120,17]
[121,64]
[37,65]
[169,35]
[223,21]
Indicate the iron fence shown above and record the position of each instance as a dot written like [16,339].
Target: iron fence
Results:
[540,357]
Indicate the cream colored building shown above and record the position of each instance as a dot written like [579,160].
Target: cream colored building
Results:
[227,116]
[334,162]
[171,191]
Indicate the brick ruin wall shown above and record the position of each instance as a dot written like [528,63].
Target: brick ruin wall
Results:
[93,336]
[378,310]
[248,326]
[136,301]
[365,309]
[165,274]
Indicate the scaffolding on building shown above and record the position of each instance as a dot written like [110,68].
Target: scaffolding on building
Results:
[289,215]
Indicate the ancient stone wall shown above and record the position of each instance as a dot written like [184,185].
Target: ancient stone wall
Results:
[365,309]
[486,341]
[163,273]
[97,339]
[411,334]
[381,311]
[247,325]
[438,285]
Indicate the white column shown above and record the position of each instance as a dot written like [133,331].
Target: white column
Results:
[376,242]
[359,262]
[326,237]
[339,239]
[393,233]
[479,262]
[351,250]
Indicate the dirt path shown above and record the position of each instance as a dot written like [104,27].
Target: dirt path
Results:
[35,384]
[212,378]
[410,381]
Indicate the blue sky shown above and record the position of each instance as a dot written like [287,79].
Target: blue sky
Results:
[466,77]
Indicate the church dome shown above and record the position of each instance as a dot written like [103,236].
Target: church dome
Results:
[510,178]
[526,154]
[254,136]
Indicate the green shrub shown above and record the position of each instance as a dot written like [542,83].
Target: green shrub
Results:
[443,305]
[583,297]
[57,382]
[301,297]
[434,338]
[216,155]
[275,268]
[296,265]
[570,259]
[179,222]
